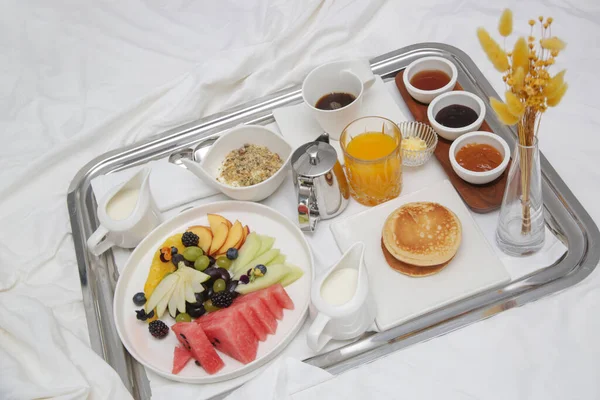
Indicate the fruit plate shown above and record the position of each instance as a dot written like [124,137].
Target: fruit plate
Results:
[157,354]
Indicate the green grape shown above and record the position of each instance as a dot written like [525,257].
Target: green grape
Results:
[209,307]
[223,262]
[219,285]
[183,317]
[192,253]
[201,263]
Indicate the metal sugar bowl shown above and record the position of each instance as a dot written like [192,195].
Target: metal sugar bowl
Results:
[320,183]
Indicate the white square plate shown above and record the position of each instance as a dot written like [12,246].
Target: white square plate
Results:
[399,298]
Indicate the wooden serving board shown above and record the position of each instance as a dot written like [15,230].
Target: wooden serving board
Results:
[479,198]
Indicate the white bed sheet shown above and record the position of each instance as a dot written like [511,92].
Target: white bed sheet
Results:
[82,78]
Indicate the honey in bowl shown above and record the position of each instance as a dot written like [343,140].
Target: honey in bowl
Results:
[456,116]
[478,157]
[430,79]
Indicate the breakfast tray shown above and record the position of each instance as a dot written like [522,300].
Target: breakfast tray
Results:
[565,218]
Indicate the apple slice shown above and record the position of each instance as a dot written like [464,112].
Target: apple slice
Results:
[220,234]
[194,275]
[205,235]
[162,289]
[235,234]
[190,297]
[164,302]
[215,219]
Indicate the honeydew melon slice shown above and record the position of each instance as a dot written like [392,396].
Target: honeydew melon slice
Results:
[266,243]
[247,252]
[274,274]
[280,259]
[263,259]
[292,276]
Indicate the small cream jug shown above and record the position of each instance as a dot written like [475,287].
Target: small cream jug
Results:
[345,307]
[126,213]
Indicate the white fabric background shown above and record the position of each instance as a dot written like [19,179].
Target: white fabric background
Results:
[79,78]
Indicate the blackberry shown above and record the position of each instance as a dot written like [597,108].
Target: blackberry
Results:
[189,239]
[158,329]
[222,299]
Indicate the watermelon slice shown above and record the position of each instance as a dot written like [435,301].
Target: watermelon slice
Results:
[192,337]
[181,356]
[257,308]
[253,317]
[230,334]
[244,313]
[268,300]
[281,296]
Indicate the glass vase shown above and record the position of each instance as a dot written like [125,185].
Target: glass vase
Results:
[521,223]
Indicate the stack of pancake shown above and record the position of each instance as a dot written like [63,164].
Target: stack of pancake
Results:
[420,239]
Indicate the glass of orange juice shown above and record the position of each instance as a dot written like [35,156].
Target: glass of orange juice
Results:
[373,159]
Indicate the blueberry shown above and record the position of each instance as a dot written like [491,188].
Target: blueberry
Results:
[174,250]
[232,253]
[261,268]
[139,299]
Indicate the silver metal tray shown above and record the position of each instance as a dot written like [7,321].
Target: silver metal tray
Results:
[565,217]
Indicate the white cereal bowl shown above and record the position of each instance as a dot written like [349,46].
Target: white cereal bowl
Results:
[480,178]
[208,167]
[457,97]
[428,64]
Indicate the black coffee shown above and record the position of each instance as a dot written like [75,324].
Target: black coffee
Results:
[333,101]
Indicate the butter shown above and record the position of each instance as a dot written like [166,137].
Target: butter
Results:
[413,144]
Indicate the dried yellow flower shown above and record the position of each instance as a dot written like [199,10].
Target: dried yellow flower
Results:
[553,101]
[531,22]
[501,110]
[514,105]
[554,84]
[550,20]
[518,78]
[553,43]
[541,19]
[554,53]
[505,25]
[520,55]
[530,38]
[493,50]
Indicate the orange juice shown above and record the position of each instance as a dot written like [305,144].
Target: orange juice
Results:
[374,166]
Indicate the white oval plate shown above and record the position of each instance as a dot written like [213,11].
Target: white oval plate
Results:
[157,354]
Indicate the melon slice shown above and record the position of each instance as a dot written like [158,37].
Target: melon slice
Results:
[231,335]
[266,243]
[248,313]
[192,337]
[275,273]
[181,356]
[292,276]
[247,253]
[280,259]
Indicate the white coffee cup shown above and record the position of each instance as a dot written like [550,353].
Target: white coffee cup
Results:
[342,315]
[353,77]
[127,213]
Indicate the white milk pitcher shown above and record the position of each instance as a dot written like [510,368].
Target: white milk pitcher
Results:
[345,307]
[126,213]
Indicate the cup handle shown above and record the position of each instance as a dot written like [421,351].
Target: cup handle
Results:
[98,243]
[316,338]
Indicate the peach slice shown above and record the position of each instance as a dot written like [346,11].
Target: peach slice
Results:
[215,219]
[235,234]
[220,234]
[205,235]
